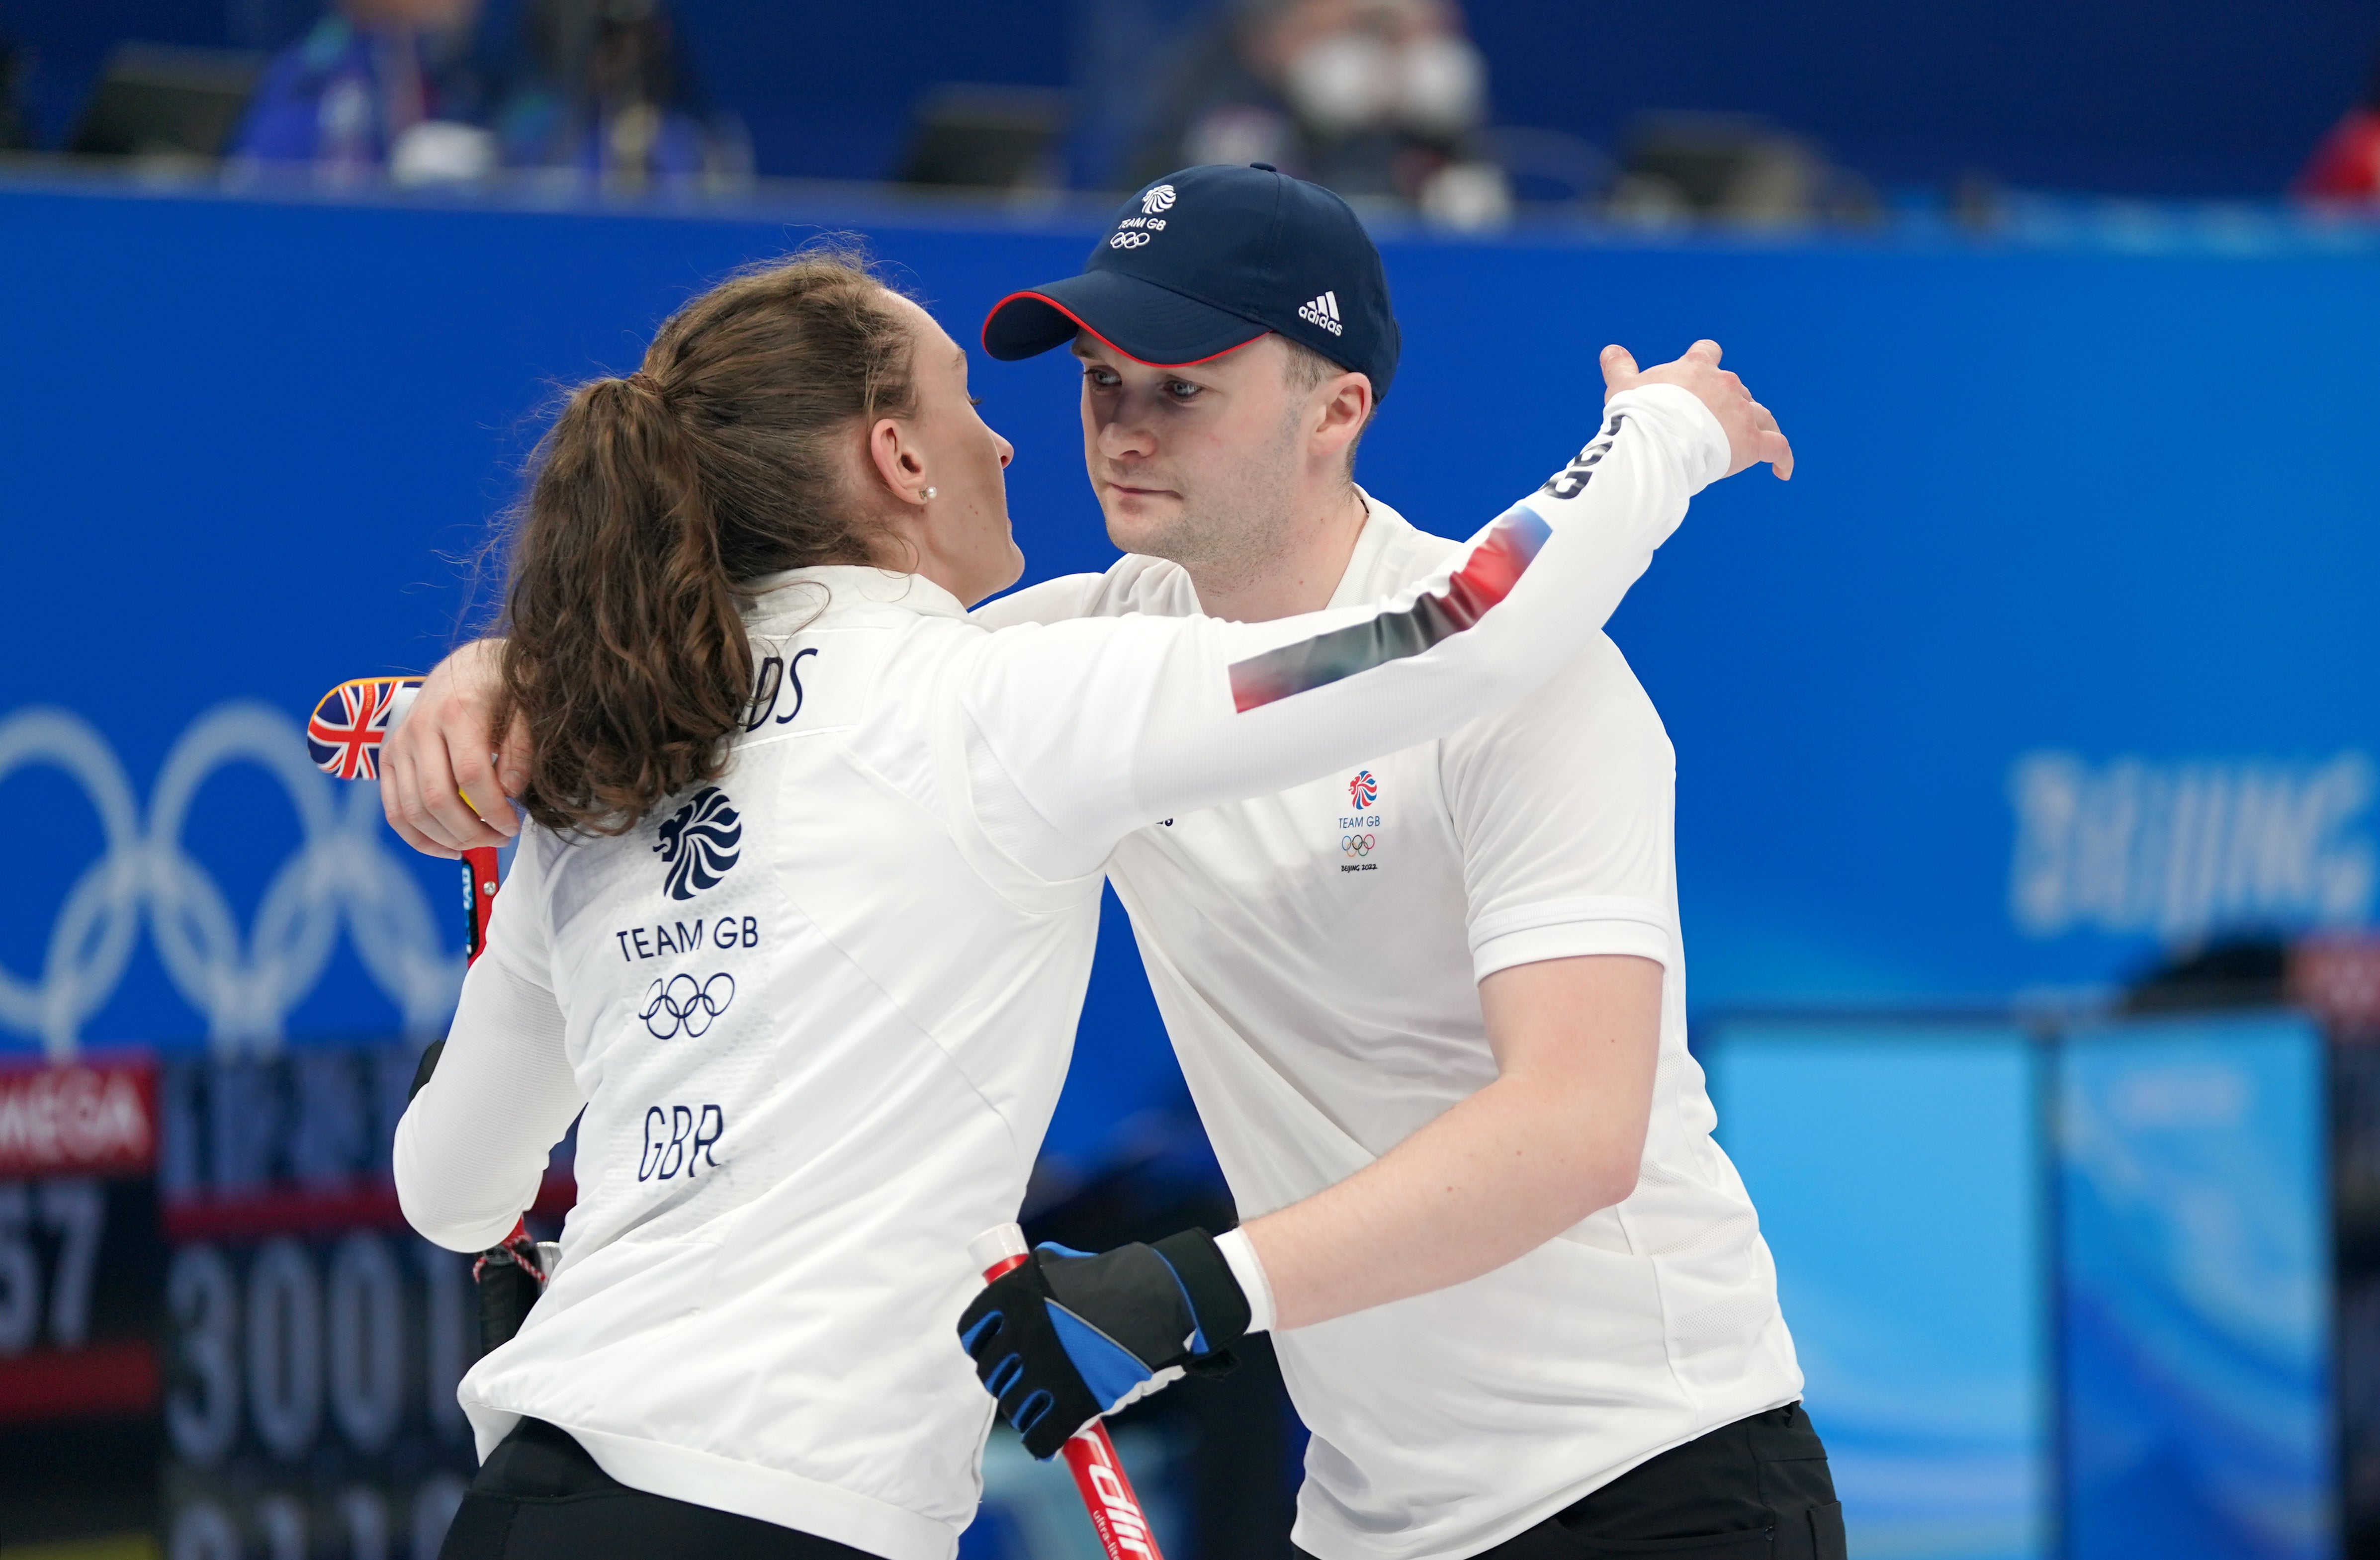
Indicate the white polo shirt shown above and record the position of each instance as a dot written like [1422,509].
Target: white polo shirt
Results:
[817,1013]
[1315,954]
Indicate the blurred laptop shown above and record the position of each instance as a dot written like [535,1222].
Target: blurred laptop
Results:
[986,138]
[160,103]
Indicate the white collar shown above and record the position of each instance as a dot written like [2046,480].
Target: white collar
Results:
[1382,525]
[777,603]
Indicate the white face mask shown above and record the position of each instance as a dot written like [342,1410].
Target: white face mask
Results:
[1240,132]
[1344,82]
[1433,85]
[1445,85]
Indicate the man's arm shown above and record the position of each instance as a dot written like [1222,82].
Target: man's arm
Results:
[1564,806]
[1556,1137]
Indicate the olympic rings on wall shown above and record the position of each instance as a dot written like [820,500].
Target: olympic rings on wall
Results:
[1358,844]
[244,984]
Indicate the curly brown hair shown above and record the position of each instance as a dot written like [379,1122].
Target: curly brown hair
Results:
[658,497]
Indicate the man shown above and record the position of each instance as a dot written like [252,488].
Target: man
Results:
[1521,1297]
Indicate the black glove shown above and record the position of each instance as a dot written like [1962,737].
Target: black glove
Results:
[1067,1336]
[510,1278]
[428,1065]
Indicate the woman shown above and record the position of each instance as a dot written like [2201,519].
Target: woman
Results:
[805,923]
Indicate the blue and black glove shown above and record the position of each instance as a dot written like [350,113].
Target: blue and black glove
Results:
[1066,1336]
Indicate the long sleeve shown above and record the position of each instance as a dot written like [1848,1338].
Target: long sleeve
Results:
[1103,726]
[471,1148]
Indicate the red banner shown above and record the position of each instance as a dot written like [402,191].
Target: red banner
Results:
[96,1118]
[113,1376]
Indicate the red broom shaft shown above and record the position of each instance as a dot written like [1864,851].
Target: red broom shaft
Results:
[1107,1494]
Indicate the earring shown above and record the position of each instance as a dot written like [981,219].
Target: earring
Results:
[928,493]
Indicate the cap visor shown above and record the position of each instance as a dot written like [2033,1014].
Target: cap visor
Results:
[1146,323]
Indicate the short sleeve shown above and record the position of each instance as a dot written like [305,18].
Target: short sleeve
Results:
[1565,805]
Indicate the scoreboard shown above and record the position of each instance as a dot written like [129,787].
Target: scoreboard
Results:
[218,1338]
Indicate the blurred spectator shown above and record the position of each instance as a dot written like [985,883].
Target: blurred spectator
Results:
[376,86]
[609,96]
[1367,97]
[2346,166]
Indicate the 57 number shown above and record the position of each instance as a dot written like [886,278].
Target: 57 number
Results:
[74,1212]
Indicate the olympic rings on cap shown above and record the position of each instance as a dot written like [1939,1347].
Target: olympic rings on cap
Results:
[244,983]
[1132,240]
[682,1004]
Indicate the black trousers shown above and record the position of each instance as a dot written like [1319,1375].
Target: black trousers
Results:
[1755,1490]
[540,1496]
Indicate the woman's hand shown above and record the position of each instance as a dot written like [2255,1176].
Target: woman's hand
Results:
[443,786]
[1753,435]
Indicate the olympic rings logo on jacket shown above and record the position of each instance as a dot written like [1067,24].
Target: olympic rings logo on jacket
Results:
[244,983]
[684,1005]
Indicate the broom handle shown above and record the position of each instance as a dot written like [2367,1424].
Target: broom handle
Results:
[1090,1457]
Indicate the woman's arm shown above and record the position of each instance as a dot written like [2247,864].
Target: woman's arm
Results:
[471,1148]
[1106,726]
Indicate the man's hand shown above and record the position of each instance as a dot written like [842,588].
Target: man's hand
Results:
[441,789]
[1752,432]
[1064,1338]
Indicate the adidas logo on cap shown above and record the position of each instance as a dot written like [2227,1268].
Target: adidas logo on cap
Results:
[1323,311]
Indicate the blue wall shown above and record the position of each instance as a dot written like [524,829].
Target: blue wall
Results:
[2195,96]
[2070,596]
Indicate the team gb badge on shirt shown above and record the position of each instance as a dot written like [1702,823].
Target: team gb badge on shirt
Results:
[1359,823]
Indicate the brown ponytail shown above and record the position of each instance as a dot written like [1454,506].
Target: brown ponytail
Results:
[656,498]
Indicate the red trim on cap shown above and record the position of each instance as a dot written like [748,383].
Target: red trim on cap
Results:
[1084,324]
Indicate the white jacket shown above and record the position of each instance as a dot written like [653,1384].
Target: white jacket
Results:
[818,1014]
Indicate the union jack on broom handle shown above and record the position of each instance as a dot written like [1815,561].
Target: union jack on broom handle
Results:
[1090,1457]
[344,736]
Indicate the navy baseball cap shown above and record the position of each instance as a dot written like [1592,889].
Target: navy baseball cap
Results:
[1208,259]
